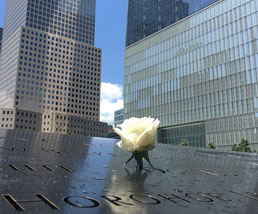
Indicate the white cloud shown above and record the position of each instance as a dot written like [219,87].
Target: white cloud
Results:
[110,101]
[111,91]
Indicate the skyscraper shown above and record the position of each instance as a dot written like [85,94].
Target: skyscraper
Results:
[198,75]
[146,17]
[49,62]
[118,117]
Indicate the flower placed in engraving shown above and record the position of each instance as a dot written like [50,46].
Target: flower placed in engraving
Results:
[138,136]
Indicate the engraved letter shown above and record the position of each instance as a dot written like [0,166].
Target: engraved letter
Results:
[172,199]
[134,197]
[16,203]
[116,201]
[95,203]
[218,197]
[246,195]
[200,197]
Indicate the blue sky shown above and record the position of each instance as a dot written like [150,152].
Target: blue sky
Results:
[109,35]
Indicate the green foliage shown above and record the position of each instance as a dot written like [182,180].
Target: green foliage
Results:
[211,145]
[70,133]
[242,147]
[184,142]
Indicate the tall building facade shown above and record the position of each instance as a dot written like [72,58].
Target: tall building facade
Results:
[49,61]
[118,117]
[199,76]
[146,17]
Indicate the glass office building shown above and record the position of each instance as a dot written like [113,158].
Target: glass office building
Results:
[49,62]
[70,19]
[146,17]
[200,70]
[118,117]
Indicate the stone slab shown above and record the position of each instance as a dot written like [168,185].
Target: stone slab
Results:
[52,173]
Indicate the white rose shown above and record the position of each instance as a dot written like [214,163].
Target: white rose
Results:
[137,134]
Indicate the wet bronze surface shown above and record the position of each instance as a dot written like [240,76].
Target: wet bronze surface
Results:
[51,173]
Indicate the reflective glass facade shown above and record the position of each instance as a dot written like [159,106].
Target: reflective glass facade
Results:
[49,62]
[146,17]
[71,19]
[203,68]
[15,17]
[192,134]
[118,117]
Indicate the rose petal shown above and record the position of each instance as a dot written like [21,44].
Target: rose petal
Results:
[146,141]
[137,125]
[137,134]
[125,143]
[119,144]
[126,146]
[120,133]
[128,122]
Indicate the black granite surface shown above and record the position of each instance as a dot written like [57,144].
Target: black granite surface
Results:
[51,173]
